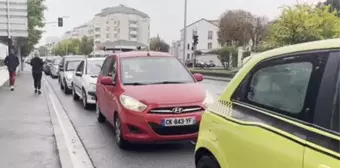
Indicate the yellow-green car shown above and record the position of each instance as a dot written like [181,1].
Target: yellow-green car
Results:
[281,110]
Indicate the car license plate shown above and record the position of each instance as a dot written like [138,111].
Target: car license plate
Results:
[170,122]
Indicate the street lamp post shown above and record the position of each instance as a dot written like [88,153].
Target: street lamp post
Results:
[185,31]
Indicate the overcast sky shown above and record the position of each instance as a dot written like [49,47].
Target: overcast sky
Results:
[166,16]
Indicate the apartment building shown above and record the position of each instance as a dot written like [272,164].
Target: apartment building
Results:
[207,37]
[120,23]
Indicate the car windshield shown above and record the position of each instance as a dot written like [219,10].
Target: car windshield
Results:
[71,65]
[153,70]
[94,67]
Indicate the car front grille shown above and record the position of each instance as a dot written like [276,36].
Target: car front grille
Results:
[175,130]
[170,110]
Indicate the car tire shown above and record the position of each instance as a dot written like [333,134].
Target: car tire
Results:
[121,142]
[207,162]
[66,89]
[74,94]
[100,117]
[84,99]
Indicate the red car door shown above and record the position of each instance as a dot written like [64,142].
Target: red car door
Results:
[112,98]
[102,90]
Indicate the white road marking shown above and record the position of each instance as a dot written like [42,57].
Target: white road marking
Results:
[76,150]
[192,142]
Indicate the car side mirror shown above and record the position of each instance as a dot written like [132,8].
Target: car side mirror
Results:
[78,73]
[198,77]
[107,81]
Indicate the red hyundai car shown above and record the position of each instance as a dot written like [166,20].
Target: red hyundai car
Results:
[150,97]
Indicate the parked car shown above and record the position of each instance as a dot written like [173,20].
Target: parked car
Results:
[85,79]
[201,64]
[281,110]
[211,64]
[67,66]
[54,68]
[150,97]
[47,65]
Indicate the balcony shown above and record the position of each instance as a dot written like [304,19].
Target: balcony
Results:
[133,32]
[133,25]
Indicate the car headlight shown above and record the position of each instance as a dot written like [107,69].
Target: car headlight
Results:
[209,99]
[69,77]
[132,104]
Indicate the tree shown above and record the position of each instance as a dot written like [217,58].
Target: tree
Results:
[260,29]
[157,44]
[335,5]
[235,28]
[43,51]
[35,18]
[223,54]
[303,23]
[86,45]
[74,46]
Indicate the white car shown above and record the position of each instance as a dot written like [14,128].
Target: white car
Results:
[67,67]
[85,79]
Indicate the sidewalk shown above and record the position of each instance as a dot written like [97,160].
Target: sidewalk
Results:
[26,132]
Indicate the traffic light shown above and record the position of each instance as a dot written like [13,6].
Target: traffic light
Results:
[60,22]
[195,38]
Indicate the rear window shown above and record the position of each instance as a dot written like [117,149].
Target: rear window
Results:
[71,65]
[149,70]
[94,67]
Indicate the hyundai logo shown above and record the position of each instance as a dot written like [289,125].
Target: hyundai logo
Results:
[177,110]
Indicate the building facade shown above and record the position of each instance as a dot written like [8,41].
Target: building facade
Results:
[113,24]
[206,30]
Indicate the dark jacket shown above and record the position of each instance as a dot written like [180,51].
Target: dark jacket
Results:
[37,65]
[12,62]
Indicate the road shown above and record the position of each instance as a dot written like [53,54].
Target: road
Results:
[98,139]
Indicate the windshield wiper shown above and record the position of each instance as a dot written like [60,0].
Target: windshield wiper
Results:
[136,83]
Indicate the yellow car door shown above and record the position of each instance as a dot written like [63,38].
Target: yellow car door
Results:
[323,143]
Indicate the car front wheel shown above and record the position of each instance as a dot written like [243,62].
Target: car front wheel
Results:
[207,162]
[121,142]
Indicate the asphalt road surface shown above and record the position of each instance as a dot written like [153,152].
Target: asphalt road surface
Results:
[98,139]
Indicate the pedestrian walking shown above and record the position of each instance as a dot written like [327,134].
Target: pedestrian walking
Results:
[37,68]
[12,62]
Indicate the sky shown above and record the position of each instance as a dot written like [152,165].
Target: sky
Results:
[166,16]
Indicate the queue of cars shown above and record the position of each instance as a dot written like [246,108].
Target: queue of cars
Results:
[280,110]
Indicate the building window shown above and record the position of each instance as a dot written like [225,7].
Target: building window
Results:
[188,46]
[210,35]
[107,35]
[209,46]
[116,35]
[188,56]
[133,22]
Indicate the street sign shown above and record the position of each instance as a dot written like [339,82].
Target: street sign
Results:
[13,18]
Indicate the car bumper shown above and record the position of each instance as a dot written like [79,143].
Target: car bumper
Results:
[145,128]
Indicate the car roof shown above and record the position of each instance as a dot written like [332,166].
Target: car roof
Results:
[96,59]
[142,54]
[308,46]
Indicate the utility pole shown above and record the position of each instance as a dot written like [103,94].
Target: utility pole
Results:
[9,42]
[185,31]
